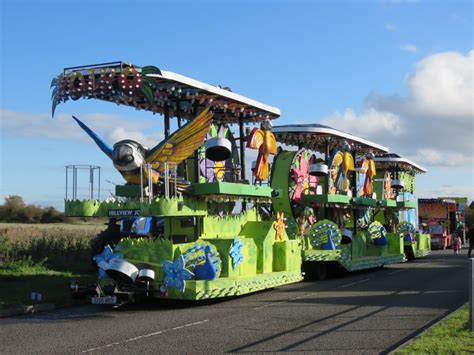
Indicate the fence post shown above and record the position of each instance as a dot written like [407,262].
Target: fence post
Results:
[471,294]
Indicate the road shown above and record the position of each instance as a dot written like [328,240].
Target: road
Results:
[365,312]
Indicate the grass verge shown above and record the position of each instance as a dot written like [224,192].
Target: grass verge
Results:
[20,278]
[450,336]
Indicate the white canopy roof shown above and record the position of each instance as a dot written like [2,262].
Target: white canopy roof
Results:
[394,160]
[316,136]
[249,109]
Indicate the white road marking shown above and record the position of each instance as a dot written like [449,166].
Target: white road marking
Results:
[144,336]
[354,283]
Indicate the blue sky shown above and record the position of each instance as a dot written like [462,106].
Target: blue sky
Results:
[396,72]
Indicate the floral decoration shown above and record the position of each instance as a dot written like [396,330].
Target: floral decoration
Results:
[235,252]
[304,182]
[176,273]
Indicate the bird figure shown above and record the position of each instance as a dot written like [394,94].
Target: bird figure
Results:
[264,140]
[206,270]
[328,243]
[387,187]
[342,163]
[367,167]
[128,155]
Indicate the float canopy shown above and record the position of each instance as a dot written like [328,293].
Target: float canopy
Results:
[180,96]
[317,136]
[392,160]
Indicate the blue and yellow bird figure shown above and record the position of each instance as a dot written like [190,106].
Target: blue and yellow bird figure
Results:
[341,164]
[129,156]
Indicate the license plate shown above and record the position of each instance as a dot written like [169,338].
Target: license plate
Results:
[435,240]
[104,300]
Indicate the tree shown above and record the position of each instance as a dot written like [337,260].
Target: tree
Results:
[13,208]
[16,210]
[52,215]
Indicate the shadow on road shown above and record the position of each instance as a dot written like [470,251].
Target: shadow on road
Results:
[434,283]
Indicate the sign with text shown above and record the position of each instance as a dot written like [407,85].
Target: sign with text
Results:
[125,213]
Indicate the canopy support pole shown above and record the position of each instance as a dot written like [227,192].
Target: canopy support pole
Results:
[167,121]
[242,149]
[354,193]
[326,158]
[328,175]
[178,116]
[354,176]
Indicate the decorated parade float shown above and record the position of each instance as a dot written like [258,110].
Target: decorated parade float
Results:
[186,224]
[395,181]
[440,218]
[325,188]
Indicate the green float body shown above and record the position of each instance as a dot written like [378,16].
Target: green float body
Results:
[361,253]
[266,262]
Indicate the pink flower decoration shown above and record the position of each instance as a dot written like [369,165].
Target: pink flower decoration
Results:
[304,181]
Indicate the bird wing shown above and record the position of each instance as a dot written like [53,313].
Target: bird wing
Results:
[256,138]
[270,142]
[182,143]
[337,160]
[373,171]
[348,162]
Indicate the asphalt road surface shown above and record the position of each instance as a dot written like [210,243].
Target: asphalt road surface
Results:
[366,312]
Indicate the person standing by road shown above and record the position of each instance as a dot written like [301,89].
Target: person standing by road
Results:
[457,245]
[470,238]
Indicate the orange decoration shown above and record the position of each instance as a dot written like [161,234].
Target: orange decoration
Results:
[263,140]
[279,226]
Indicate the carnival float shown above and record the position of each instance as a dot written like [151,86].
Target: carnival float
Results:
[329,195]
[188,223]
[396,182]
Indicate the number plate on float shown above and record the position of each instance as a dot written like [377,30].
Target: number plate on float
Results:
[104,300]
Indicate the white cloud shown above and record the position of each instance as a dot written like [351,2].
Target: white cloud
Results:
[112,128]
[409,47]
[436,157]
[443,85]
[434,124]
[371,123]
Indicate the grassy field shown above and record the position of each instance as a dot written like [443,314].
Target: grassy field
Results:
[44,258]
[58,245]
[23,231]
[450,336]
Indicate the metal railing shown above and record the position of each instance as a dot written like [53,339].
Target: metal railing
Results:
[169,181]
[73,170]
